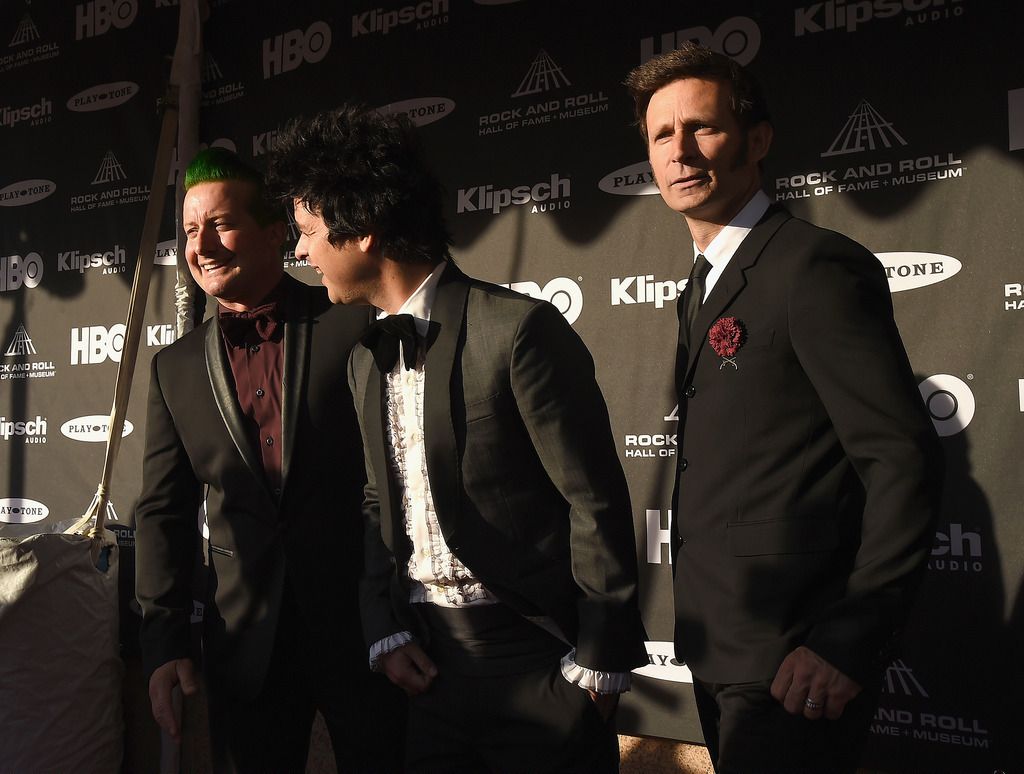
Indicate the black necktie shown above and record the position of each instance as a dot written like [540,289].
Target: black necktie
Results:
[694,296]
[384,336]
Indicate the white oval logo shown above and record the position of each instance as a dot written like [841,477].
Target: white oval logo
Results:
[19,510]
[634,180]
[166,253]
[662,664]
[907,271]
[103,96]
[565,294]
[949,401]
[422,111]
[26,192]
[92,429]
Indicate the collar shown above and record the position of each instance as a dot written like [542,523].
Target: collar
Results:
[421,301]
[728,240]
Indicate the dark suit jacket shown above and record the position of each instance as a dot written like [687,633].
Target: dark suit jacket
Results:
[527,486]
[197,445]
[808,476]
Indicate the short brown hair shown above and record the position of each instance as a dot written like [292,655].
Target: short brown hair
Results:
[693,61]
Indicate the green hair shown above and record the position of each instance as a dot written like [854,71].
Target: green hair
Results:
[217,165]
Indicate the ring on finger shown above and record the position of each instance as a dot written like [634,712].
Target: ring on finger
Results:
[813,705]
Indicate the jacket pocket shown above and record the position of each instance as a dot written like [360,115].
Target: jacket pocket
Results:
[782,536]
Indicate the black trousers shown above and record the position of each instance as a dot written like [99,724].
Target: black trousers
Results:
[364,712]
[747,730]
[500,703]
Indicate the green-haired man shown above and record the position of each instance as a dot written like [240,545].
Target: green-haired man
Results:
[250,415]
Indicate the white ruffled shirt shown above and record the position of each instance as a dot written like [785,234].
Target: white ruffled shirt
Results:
[436,574]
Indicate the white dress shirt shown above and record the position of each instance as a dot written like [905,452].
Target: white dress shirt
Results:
[727,241]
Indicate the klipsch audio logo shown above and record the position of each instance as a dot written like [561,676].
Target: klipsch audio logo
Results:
[545,196]
[421,111]
[36,114]
[27,46]
[103,96]
[109,262]
[645,289]
[424,15]
[26,192]
[634,180]
[906,271]
[867,131]
[956,550]
[109,173]
[949,401]
[30,431]
[850,16]
[563,293]
[290,50]
[21,346]
[738,38]
[97,17]
[21,510]
[662,665]
[217,89]
[20,271]
[92,428]
[543,77]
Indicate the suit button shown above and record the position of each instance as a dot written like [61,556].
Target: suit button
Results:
[254,348]
[682,464]
[690,391]
[260,393]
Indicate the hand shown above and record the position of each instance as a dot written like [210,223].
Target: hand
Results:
[804,675]
[605,703]
[180,672]
[409,668]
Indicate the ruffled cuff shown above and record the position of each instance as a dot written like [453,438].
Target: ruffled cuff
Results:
[591,679]
[382,647]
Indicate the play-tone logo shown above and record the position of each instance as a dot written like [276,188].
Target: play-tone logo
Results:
[26,192]
[289,50]
[949,401]
[562,292]
[97,17]
[662,665]
[738,38]
[633,180]
[21,510]
[906,271]
[849,17]
[17,271]
[166,253]
[426,14]
[421,111]
[103,96]
[92,428]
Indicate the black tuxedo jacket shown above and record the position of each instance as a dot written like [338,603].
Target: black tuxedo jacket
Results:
[197,447]
[527,486]
[809,474]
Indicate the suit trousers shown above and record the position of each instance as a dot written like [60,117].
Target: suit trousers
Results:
[500,703]
[363,712]
[748,731]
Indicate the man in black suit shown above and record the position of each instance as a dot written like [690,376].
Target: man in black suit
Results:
[500,583]
[250,414]
[808,473]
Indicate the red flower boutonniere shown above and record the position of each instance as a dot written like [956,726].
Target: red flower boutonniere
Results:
[726,337]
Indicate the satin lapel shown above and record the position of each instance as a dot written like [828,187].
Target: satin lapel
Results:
[374,421]
[219,370]
[440,390]
[733,280]
[297,332]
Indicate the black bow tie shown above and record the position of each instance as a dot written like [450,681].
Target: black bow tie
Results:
[383,337]
[237,325]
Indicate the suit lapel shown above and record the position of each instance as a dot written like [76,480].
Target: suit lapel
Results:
[297,332]
[733,280]
[440,390]
[219,370]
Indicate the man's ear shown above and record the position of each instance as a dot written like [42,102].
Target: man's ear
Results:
[367,243]
[759,140]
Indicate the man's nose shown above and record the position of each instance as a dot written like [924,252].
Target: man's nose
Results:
[208,241]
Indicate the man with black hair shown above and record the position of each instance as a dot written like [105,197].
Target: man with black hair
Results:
[808,475]
[500,581]
[249,415]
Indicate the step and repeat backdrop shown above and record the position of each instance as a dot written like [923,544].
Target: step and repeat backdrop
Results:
[898,122]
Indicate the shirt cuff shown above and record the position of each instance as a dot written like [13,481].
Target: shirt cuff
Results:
[381,648]
[591,679]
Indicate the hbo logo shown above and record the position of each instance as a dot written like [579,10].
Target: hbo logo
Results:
[283,53]
[95,18]
[562,292]
[738,37]
[96,344]
[16,271]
